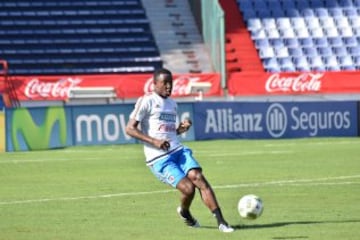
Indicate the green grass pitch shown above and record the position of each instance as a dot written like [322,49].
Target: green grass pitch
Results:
[310,189]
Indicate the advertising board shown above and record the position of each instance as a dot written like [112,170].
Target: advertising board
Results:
[229,120]
[37,128]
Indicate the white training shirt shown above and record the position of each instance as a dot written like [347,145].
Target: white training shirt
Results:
[158,119]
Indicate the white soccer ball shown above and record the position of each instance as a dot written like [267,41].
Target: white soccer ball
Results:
[250,206]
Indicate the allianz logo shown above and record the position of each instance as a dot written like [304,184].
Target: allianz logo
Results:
[277,121]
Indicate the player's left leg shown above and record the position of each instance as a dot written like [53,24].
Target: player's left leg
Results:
[209,198]
[167,171]
[194,173]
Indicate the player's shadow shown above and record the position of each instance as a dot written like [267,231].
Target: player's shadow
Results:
[282,224]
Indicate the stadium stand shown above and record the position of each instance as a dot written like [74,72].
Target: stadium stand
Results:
[181,45]
[241,54]
[299,35]
[63,37]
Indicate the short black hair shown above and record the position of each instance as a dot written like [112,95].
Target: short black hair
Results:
[161,71]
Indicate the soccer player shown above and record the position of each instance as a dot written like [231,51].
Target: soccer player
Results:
[153,121]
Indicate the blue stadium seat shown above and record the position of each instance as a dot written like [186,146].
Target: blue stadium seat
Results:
[272,33]
[271,65]
[346,62]
[306,42]
[356,61]
[335,12]
[286,64]
[298,23]
[331,63]
[356,3]
[281,52]
[345,3]
[269,23]
[316,63]
[350,12]
[295,52]
[312,22]
[335,41]
[267,52]
[262,42]
[302,32]
[310,51]
[325,51]
[321,42]
[330,4]
[301,63]
[254,24]
[276,42]
[350,41]
[321,12]
[342,22]
[287,33]
[283,23]
[340,51]
[291,42]
[346,32]
[354,50]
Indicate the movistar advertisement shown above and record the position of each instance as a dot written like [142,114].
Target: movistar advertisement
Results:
[54,127]
[100,125]
[38,128]
[229,120]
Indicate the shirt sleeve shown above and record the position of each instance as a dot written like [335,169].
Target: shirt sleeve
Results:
[141,109]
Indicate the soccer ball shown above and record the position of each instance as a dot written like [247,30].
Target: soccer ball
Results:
[250,206]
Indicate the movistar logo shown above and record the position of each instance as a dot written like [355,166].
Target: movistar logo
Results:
[37,136]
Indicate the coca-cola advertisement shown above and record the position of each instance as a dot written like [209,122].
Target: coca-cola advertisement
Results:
[261,83]
[126,86]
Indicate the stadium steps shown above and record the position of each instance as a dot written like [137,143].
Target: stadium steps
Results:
[176,34]
[241,54]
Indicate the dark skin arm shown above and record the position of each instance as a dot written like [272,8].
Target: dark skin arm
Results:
[133,131]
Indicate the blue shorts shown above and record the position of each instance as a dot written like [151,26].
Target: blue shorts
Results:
[174,167]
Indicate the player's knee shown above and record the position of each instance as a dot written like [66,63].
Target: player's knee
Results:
[197,178]
[186,187]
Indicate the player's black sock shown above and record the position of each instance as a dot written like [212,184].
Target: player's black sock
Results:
[219,217]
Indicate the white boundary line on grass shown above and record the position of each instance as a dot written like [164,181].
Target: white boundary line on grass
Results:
[299,182]
[57,160]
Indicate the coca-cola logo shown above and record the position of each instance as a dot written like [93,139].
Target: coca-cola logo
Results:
[304,82]
[57,89]
[180,85]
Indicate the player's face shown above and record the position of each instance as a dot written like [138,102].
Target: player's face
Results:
[163,86]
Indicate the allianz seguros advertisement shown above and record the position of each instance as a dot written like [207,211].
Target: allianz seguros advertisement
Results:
[230,120]
[37,128]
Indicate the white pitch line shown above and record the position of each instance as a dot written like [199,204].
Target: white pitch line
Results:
[299,182]
[55,160]
[289,182]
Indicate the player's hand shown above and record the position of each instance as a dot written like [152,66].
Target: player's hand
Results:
[184,126]
[162,144]
[165,146]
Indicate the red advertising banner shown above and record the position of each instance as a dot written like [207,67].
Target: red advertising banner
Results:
[253,83]
[126,86]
